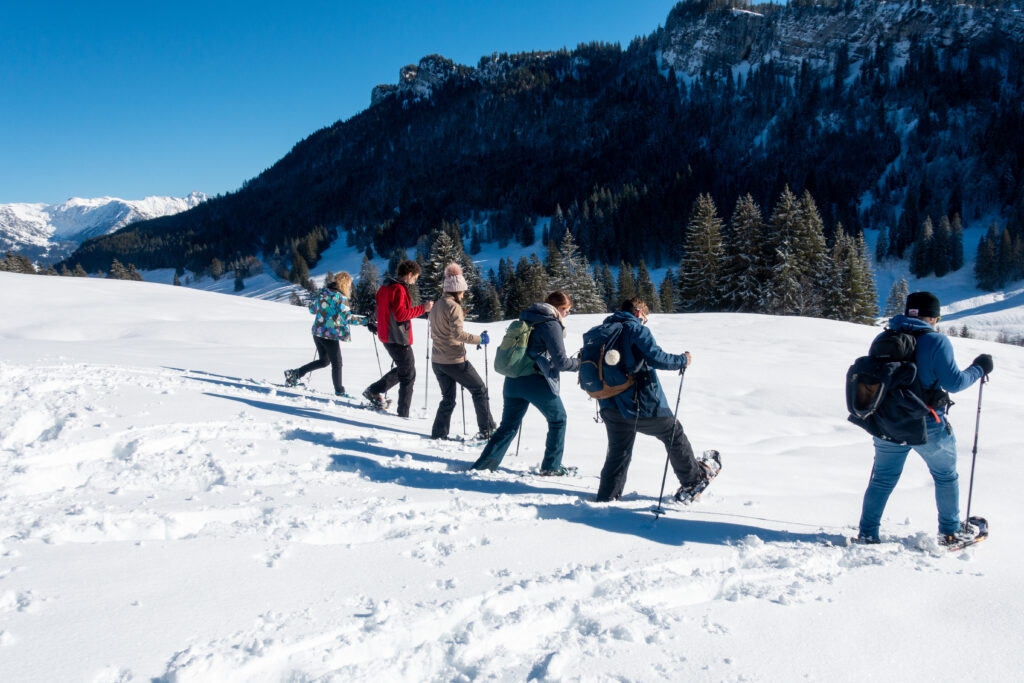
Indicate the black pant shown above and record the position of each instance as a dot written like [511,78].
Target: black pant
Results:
[621,435]
[328,352]
[448,375]
[403,374]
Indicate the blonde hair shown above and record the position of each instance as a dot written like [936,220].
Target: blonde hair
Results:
[343,281]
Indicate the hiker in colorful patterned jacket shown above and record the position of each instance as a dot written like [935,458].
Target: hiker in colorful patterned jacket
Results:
[331,325]
[448,357]
[643,408]
[540,389]
[394,327]
[938,373]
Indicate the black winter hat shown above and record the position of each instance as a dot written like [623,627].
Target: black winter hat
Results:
[922,305]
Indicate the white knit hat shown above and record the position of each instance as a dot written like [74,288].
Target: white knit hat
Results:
[453,279]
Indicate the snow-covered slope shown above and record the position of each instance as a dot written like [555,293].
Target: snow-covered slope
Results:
[167,514]
[50,231]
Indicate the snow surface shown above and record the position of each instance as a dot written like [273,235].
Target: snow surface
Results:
[170,515]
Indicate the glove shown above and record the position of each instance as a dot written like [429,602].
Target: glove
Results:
[372,327]
[484,339]
[984,361]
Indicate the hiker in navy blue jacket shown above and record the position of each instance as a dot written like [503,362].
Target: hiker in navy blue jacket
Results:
[643,408]
[547,348]
[938,372]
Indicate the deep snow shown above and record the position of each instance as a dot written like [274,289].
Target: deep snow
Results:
[168,513]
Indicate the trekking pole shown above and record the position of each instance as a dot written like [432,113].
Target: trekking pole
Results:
[376,352]
[487,370]
[519,436]
[664,476]
[974,451]
[463,401]
[426,381]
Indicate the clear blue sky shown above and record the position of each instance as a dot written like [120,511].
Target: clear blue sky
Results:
[145,98]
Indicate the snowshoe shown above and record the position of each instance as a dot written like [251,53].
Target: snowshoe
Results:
[291,378]
[711,464]
[377,401]
[560,471]
[974,530]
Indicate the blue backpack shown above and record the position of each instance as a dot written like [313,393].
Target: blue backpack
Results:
[603,371]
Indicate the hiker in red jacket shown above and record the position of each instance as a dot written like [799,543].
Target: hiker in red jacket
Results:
[394,313]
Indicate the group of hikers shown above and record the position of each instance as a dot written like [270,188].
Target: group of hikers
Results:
[642,408]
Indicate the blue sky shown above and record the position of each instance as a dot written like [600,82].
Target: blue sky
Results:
[144,98]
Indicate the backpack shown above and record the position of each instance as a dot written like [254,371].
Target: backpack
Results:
[884,395]
[603,372]
[511,358]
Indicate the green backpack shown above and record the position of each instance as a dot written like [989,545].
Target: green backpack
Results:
[511,358]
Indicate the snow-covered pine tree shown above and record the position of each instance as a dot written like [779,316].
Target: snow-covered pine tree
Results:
[865,293]
[783,294]
[529,286]
[578,282]
[922,259]
[810,250]
[364,295]
[445,249]
[839,292]
[702,259]
[744,270]
[896,302]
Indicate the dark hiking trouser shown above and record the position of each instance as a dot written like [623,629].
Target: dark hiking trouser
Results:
[448,375]
[519,394]
[622,433]
[328,353]
[403,374]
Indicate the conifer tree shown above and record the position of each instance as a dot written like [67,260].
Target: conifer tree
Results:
[744,269]
[176,281]
[364,295]
[699,288]
[667,293]
[1006,267]
[896,302]
[864,296]
[646,290]
[784,295]
[922,258]
[529,286]
[626,287]
[608,289]
[570,272]
[446,249]
[882,245]
[986,267]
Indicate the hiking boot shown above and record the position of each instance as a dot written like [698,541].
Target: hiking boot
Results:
[291,378]
[710,465]
[867,539]
[484,435]
[967,532]
[376,400]
[559,471]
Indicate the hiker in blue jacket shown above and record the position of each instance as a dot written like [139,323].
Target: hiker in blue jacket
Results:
[643,408]
[547,348]
[939,374]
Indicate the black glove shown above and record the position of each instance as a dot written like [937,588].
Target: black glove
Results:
[372,327]
[984,361]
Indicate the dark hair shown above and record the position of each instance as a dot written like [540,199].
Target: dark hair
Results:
[635,304]
[558,299]
[408,267]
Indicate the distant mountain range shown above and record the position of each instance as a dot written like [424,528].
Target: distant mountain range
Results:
[885,112]
[49,232]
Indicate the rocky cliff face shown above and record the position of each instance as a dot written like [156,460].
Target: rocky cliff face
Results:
[694,41]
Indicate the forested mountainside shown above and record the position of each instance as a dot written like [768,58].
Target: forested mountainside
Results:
[886,113]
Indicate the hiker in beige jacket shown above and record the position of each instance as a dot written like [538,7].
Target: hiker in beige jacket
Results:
[448,357]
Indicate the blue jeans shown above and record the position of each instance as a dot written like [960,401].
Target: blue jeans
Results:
[939,453]
[519,394]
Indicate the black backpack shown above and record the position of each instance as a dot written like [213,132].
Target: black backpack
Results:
[884,395]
